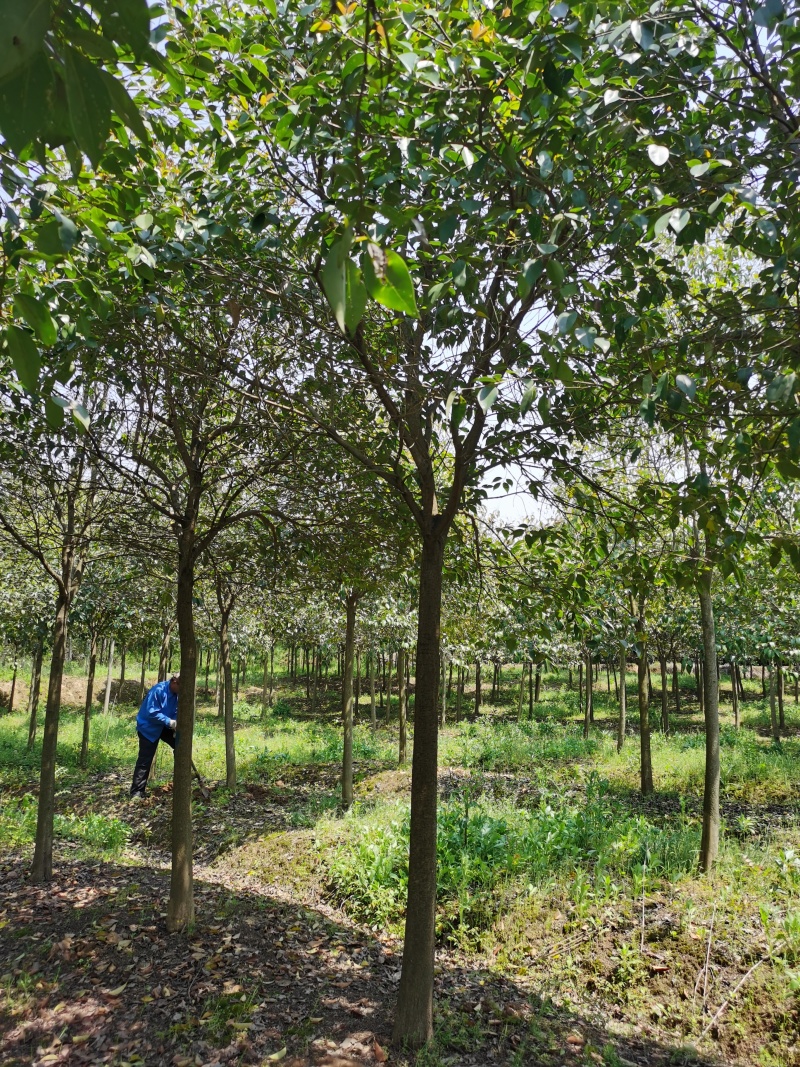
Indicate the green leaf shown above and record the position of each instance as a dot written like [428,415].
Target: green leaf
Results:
[23,25]
[531,272]
[661,223]
[89,104]
[555,272]
[334,280]
[794,435]
[687,385]
[24,356]
[54,413]
[659,154]
[586,335]
[38,317]
[566,320]
[126,21]
[81,416]
[780,389]
[528,397]
[355,297]
[29,105]
[458,413]
[124,107]
[388,280]
[487,397]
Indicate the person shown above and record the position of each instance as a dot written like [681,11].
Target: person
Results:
[157,721]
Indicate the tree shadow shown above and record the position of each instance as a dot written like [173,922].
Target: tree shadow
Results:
[90,975]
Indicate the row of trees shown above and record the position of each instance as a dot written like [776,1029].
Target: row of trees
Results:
[296,282]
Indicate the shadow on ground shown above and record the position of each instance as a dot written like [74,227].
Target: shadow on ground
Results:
[90,975]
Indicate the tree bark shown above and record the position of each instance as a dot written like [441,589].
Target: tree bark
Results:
[735,695]
[265,686]
[459,691]
[180,911]
[13,684]
[623,698]
[588,710]
[121,671]
[33,698]
[644,708]
[142,679]
[709,843]
[414,1015]
[662,661]
[538,685]
[676,686]
[781,716]
[372,715]
[42,867]
[227,672]
[347,701]
[402,707]
[477,687]
[773,714]
[109,672]
[87,709]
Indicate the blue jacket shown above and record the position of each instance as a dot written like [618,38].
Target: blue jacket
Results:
[158,708]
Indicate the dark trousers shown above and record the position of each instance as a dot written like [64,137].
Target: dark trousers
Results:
[147,750]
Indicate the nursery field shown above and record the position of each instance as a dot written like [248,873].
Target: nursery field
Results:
[572,925]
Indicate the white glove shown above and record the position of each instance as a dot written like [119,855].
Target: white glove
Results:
[173,724]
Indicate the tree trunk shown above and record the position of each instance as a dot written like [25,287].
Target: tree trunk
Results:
[347,702]
[662,660]
[521,700]
[588,710]
[538,686]
[142,679]
[709,844]
[580,685]
[676,686]
[701,685]
[735,695]
[644,714]
[180,911]
[42,868]
[459,691]
[227,672]
[443,691]
[357,697]
[121,671]
[33,698]
[265,686]
[477,687]
[109,673]
[414,1015]
[402,706]
[773,714]
[373,719]
[220,687]
[623,698]
[781,716]
[13,684]
[87,709]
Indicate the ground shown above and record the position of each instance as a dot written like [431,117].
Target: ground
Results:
[573,926]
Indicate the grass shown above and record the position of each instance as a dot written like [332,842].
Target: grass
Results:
[543,841]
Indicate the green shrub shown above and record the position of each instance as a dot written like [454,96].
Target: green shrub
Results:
[18,826]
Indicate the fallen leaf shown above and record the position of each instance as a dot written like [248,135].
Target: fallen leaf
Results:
[379,1053]
[276,1056]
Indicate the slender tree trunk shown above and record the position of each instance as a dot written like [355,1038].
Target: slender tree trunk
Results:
[227,671]
[13,684]
[402,706]
[357,698]
[459,691]
[709,844]
[735,695]
[33,698]
[623,698]
[773,711]
[644,710]
[265,686]
[588,711]
[521,700]
[121,671]
[372,716]
[781,716]
[42,868]
[662,661]
[676,686]
[220,687]
[592,675]
[347,701]
[450,680]
[109,673]
[477,687]
[538,686]
[580,685]
[180,910]
[87,709]
[271,671]
[414,1015]
[145,655]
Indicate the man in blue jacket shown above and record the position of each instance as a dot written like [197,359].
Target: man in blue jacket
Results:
[156,721]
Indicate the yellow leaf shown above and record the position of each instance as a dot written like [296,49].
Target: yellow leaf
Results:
[477,31]
[116,992]
[276,1056]
[321,26]
[80,1039]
